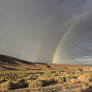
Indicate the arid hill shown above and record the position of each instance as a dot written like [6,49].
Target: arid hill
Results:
[11,63]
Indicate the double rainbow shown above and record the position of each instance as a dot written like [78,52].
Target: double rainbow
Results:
[68,30]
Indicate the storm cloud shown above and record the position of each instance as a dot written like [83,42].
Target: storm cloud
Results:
[31,29]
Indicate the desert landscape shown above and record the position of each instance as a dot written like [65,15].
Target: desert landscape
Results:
[21,76]
[45,45]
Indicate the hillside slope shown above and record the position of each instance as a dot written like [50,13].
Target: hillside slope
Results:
[11,63]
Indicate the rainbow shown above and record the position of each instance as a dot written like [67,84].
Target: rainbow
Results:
[68,30]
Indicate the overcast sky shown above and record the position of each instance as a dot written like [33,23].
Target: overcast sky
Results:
[32,29]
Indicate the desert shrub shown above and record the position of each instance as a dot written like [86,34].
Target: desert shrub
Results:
[74,77]
[35,84]
[65,79]
[53,71]
[66,68]
[29,77]
[86,84]
[30,81]
[7,85]
[48,66]
[32,77]
[49,82]
[2,80]
[21,83]
[59,80]
[45,76]
[40,83]
[81,70]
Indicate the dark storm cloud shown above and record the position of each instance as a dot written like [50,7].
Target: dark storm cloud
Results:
[23,24]
[79,43]
[31,29]
[65,14]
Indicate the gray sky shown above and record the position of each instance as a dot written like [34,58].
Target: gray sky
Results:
[31,30]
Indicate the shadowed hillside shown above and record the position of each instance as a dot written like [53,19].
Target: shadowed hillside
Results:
[11,63]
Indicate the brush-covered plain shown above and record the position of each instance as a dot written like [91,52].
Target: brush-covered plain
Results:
[47,78]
